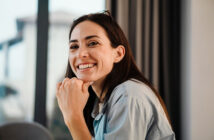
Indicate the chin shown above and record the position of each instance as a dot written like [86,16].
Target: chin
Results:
[86,79]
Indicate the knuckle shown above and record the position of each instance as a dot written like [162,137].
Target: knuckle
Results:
[59,84]
[76,82]
[66,79]
[73,80]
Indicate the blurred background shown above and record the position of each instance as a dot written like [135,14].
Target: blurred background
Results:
[172,42]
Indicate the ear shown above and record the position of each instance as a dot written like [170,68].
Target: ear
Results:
[119,53]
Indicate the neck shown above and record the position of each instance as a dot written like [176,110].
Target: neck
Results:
[97,87]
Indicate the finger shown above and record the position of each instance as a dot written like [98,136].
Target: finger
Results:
[64,82]
[74,79]
[76,82]
[58,85]
[57,88]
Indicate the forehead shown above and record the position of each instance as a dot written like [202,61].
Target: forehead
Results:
[87,28]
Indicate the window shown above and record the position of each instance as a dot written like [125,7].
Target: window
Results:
[18,39]
[17,59]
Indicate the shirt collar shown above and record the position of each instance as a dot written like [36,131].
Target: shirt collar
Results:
[95,110]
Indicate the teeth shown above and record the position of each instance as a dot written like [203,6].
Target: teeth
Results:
[84,66]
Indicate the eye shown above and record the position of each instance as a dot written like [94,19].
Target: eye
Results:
[72,47]
[92,43]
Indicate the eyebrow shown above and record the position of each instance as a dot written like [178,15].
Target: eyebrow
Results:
[86,38]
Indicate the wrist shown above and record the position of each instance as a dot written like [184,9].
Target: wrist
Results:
[78,127]
[74,118]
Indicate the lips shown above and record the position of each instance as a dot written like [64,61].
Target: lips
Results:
[85,66]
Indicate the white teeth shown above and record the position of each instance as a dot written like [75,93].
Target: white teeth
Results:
[84,66]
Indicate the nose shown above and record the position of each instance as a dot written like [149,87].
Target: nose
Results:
[83,52]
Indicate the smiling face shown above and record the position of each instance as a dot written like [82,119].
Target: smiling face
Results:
[91,55]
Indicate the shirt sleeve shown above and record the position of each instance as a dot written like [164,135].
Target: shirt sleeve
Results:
[127,120]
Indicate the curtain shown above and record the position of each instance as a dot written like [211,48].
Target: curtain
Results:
[153,31]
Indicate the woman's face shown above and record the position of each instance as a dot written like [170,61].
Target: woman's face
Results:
[91,55]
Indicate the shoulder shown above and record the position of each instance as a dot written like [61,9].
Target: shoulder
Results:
[133,102]
[137,96]
[133,90]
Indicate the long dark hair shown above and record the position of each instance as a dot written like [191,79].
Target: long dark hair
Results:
[124,70]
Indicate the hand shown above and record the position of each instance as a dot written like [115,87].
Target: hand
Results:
[72,96]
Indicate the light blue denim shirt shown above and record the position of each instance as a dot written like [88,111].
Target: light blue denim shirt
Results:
[133,112]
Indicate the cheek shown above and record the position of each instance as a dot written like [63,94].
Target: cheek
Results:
[107,57]
[107,61]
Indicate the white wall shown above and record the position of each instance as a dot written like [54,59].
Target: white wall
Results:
[198,69]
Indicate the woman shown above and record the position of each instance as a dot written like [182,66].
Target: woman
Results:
[104,95]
